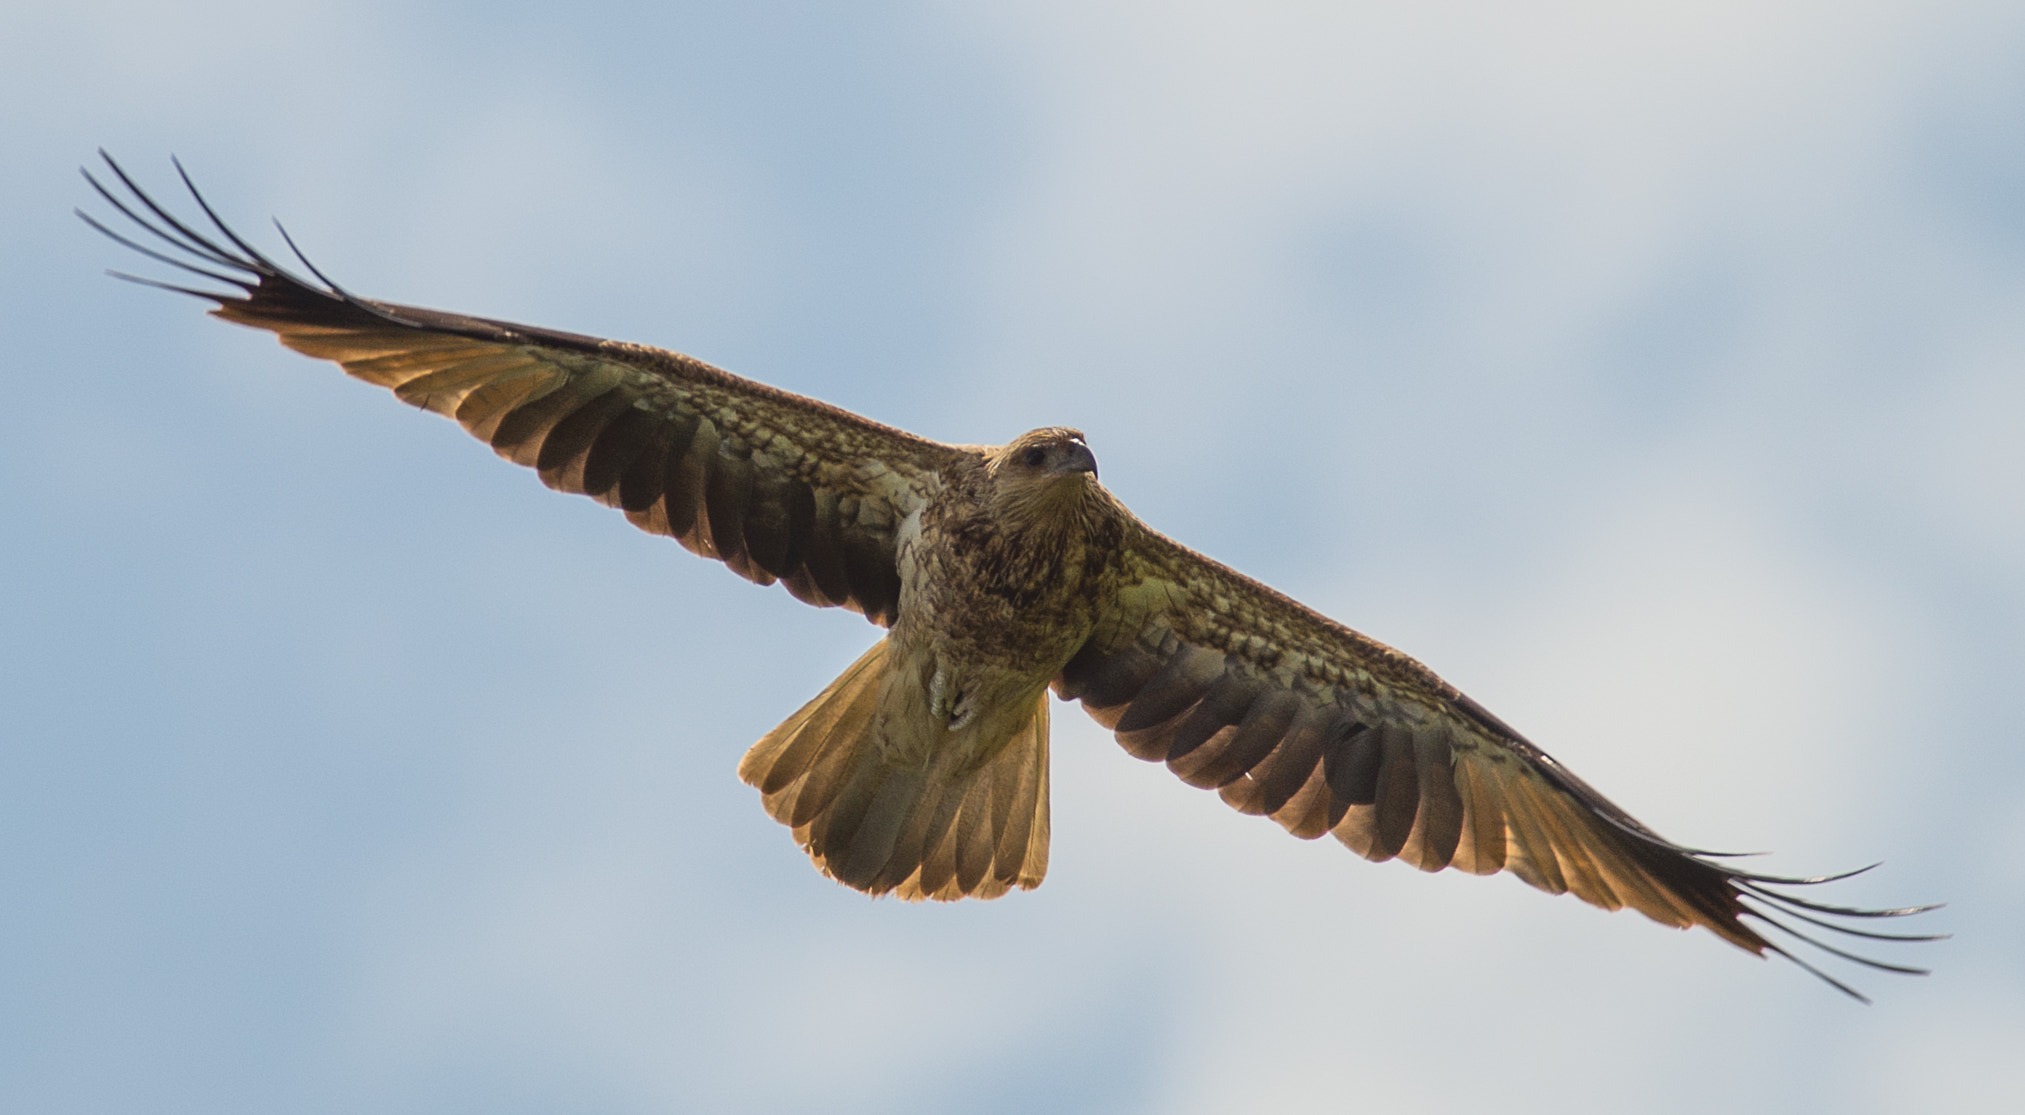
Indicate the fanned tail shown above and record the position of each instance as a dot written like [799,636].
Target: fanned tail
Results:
[944,827]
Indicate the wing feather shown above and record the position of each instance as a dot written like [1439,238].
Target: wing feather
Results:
[1233,743]
[776,486]
[1295,758]
[1437,830]
[1481,849]
[1291,715]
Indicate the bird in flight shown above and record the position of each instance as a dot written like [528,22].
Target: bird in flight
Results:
[998,573]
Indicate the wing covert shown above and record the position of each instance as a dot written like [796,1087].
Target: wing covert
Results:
[777,486]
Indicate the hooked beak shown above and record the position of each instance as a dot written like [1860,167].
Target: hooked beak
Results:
[1078,459]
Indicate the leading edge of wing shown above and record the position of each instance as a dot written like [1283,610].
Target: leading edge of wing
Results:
[269,290]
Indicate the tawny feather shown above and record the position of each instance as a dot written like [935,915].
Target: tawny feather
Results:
[932,826]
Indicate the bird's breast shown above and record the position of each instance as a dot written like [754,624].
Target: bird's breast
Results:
[988,598]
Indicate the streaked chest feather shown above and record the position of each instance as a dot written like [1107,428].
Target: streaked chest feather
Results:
[1019,597]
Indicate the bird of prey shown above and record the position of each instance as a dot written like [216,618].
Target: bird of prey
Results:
[997,573]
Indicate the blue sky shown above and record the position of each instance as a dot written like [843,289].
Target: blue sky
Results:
[1654,372]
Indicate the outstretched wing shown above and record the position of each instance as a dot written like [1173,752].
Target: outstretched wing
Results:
[1289,714]
[777,486]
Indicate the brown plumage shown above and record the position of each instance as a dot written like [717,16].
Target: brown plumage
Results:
[998,572]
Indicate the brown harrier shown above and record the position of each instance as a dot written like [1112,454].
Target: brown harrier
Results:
[998,572]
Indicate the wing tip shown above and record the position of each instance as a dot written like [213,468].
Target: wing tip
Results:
[1756,897]
[267,291]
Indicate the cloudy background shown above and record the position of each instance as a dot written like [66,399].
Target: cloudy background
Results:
[1656,372]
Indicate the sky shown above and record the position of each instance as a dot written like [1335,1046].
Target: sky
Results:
[1654,372]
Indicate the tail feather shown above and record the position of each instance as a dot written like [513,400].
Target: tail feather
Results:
[1023,842]
[991,835]
[942,826]
[935,876]
[930,818]
[834,789]
[785,753]
[859,829]
[975,841]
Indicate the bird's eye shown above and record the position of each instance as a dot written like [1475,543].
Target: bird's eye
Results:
[1035,457]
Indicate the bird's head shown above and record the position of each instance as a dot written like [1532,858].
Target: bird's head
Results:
[1045,455]
[1044,469]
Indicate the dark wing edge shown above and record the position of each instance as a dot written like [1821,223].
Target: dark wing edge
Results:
[777,486]
[1288,714]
